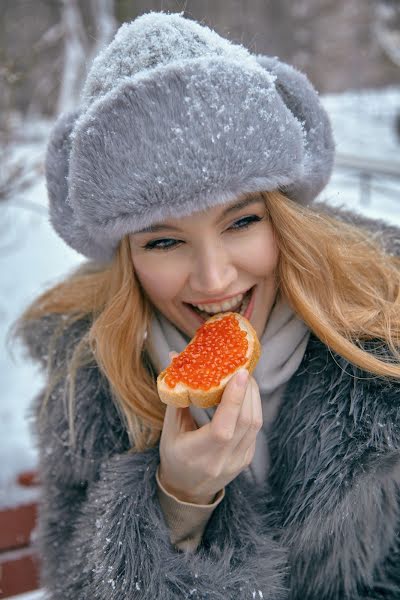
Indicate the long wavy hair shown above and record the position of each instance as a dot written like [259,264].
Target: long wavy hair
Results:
[337,277]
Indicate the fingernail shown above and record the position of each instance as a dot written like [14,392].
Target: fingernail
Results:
[241,377]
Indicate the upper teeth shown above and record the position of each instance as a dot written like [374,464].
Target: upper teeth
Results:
[214,308]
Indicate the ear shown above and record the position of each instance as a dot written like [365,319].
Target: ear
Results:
[301,98]
[62,216]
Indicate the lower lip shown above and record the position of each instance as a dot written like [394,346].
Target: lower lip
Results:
[248,312]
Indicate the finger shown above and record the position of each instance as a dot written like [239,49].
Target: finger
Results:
[249,454]
[177,420]
[243,454]
[253,427]
[172,355]
[245,418]
[172,421]
[257,404]
[187,421]
[199,441]
[223,424]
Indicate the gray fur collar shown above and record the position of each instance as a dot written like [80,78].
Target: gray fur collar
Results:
[324,525]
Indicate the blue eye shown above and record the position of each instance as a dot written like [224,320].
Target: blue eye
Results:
[245,222]
[169,243]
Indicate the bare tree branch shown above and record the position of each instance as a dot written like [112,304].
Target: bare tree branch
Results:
[79,49]
[387,29]
[75,52]
[105,23]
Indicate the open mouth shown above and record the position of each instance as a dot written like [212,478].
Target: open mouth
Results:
[240,308]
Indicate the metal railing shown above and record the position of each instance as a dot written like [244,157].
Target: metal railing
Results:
[371,175]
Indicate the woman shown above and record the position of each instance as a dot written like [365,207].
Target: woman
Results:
[187,177]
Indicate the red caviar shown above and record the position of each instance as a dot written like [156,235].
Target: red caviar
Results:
[219,348]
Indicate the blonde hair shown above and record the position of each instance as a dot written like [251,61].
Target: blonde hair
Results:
[336,277]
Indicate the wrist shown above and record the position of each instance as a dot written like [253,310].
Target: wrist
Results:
[182,495]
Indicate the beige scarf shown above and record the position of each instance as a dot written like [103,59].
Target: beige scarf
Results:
[283,345]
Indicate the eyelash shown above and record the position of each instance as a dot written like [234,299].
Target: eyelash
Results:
[250,220]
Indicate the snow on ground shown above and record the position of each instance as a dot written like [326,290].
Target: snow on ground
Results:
[33,257]
[38,595]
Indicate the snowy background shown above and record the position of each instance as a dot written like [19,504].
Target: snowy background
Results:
[34,258]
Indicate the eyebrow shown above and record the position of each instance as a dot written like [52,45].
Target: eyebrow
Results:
[233,208]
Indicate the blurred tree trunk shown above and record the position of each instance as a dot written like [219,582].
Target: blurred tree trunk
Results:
[80,46]
[105,23]
[75,51]
[387,28]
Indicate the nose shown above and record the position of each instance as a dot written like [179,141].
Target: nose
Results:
[213,271]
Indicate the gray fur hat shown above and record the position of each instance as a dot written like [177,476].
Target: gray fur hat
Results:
[174,119]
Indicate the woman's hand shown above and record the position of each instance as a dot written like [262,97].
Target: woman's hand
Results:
[195,463]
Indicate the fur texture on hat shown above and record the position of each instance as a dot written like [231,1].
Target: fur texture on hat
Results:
[175,119]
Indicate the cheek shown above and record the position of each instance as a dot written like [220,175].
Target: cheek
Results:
[161,277]
[260,257]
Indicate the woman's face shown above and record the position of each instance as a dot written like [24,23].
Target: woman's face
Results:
[206,257]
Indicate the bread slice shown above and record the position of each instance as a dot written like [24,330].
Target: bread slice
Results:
[182,395]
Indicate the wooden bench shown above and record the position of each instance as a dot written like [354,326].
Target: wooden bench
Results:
[19,567]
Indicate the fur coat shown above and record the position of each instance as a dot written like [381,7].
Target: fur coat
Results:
[324,527]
